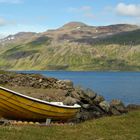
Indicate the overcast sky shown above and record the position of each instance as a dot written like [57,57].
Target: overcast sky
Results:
[40,15]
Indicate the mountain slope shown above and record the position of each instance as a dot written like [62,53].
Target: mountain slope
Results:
[74,46]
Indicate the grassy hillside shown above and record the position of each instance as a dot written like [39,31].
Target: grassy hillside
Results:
[115,52]
[125,127]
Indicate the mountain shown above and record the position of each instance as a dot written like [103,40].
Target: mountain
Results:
[74,46]
[19,37]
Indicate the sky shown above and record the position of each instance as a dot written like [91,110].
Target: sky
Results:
[41,15]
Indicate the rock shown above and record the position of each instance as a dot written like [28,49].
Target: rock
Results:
[86,106]
[133,107]
[69,101]
[118,105]
[4,79]
[90,94]
[45,98]
[114,111]
[40,80]
[36,85]
[75,95]
[105,106]
[61,86]
[84,100]
[64,84]
[85,114]
[98,99]
[68,83]
[45,85]
[96,109]
[86,97]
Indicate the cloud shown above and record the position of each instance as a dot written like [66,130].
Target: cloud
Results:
[4,22]
[85,11]
[11,1]
[132,10]
[2,36]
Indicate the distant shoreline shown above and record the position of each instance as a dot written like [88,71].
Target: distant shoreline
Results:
[77,70]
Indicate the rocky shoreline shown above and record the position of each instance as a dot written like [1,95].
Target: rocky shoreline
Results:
[92,104]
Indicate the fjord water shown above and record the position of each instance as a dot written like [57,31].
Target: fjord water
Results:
[112,85]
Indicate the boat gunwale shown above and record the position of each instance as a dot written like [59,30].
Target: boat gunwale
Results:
[38,100]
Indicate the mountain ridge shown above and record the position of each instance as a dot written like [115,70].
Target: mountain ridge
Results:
[74,46]
[78,26]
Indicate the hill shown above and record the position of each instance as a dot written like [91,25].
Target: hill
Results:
[74,46]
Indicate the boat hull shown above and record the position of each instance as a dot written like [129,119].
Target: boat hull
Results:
[20,107]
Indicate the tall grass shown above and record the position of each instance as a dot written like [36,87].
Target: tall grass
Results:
[126,127]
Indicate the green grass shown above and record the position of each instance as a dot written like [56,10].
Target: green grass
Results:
[40,41]
[119,52]
[126,38]
[125,127]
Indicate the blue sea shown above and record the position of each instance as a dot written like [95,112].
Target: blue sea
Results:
[112,85]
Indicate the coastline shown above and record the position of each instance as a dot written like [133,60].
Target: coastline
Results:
[35,85]
[93,105]
[109,84]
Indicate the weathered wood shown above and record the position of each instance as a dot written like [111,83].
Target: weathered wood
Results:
[48,121]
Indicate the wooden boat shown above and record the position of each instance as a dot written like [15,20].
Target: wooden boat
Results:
[14,105]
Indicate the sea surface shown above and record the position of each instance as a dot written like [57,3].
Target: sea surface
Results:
[112,85]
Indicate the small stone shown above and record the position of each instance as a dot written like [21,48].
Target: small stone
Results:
[118,104]
[40,80]
[69,101]
[105,106]
[98,99]
[75,95]
[68,83]
[31,123]
[37,123]
[90,93]
[19,122]
[114,111]
[86,106]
